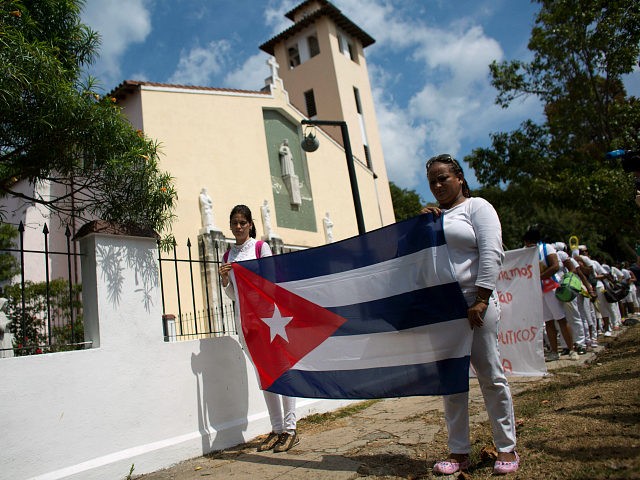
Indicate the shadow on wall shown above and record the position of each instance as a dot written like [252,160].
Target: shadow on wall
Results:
[116,260]
[223,393]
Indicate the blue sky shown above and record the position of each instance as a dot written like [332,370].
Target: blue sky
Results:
[428,68]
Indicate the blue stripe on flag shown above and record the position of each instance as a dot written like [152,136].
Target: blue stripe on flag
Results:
[426,306]
[439,378]
[392,241]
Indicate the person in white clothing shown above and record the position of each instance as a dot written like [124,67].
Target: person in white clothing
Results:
[586,300]
[552,309]
[631,300]
[474,239]
[579,326]
[605,308]
[614,274]
[282,409]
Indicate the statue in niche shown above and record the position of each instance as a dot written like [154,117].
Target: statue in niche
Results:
[206,210]
[288,173]
[328,228]
[286,158]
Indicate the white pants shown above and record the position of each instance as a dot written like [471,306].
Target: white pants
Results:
[633,296]
[607,310]
[485,358]
[575,322]
[588,315]
[282,412]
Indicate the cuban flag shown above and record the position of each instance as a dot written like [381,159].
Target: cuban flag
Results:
[374,316]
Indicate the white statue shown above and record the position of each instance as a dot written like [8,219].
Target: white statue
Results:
[286,159]
[289,176]
[328,228]
[206,210]
[266,218]
[6,337]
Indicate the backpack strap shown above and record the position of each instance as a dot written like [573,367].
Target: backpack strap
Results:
[259,248]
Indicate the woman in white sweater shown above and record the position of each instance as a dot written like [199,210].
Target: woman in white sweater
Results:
[474,239]
[282,410]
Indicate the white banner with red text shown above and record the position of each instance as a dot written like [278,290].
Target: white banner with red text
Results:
[520,335]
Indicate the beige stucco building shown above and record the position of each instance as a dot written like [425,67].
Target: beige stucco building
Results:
[227,141]
[226,146]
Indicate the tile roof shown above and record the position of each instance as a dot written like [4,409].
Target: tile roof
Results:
[328,10]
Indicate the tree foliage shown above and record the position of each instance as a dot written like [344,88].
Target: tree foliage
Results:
[45,305]
[56,130]
[8,263]
[555,174]
[406,203]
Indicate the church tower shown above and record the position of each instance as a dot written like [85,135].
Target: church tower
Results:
[323,69]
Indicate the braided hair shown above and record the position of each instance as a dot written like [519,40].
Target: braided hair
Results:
[455,168]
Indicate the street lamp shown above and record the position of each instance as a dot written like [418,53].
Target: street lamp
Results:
[310,144]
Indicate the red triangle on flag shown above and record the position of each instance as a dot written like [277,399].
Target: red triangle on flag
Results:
[309,326]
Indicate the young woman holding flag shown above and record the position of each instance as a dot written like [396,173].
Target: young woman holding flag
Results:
[282,409]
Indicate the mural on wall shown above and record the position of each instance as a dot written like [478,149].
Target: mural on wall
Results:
[292,196]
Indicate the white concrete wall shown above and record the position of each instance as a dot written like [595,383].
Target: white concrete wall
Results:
[133,399]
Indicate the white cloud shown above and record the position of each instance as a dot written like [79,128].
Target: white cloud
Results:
[274,14]
[120,24]
[451,105]
[200,65]
[401,139]
[251,75]
[380,20]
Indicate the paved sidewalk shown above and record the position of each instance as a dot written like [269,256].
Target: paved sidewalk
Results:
[389,430]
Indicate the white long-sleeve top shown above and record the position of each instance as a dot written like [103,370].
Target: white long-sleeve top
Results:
[474,239]
[239,253]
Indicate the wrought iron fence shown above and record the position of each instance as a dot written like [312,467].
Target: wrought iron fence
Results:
[203,310]
[42,315]
[207,312]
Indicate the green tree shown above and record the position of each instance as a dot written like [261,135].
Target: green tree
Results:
[556,174]
[8,263]
[406,203]
[45,323]
[55,129]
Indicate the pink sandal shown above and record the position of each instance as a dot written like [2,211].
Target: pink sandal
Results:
[447,467]
[502,468]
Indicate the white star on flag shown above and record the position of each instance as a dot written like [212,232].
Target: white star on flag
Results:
[277,324]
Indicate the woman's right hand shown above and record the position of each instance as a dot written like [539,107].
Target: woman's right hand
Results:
[434,210]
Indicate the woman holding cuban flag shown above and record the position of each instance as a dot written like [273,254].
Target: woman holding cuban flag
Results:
[282,409]
[474,239]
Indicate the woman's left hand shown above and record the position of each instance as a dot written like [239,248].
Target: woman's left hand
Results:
[434,210]
[475,313]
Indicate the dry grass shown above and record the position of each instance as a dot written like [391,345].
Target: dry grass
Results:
[583,423]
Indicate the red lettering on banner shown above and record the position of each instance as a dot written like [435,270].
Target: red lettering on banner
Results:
[517,272]
[505,298]
[511,337]
[506,365]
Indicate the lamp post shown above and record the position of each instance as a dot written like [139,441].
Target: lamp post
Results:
[310,144]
